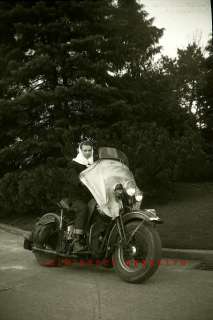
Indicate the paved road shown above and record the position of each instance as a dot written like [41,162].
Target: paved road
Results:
[29,291]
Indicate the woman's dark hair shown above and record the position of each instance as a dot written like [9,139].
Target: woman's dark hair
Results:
[85,143]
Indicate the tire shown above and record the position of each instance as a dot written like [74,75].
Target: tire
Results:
[146,259]
[45,236]
[47,260]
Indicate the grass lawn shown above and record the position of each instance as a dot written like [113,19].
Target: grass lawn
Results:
[188,218]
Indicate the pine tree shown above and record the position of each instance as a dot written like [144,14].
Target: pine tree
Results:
[61,64]
[207,110]
[77,67]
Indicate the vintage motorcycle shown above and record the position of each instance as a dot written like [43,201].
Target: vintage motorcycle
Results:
[118,234]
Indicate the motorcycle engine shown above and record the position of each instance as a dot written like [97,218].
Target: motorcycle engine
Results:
[97,233]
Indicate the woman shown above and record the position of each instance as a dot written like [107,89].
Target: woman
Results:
[79,194]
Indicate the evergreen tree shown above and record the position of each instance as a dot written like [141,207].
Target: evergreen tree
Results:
[83,67]
[56,63]
[207,112]
[61,65]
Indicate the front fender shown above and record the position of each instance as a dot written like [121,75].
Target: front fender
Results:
[148,215]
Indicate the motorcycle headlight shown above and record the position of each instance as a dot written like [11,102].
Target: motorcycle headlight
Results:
[139,197]
[130,191]
[130,188]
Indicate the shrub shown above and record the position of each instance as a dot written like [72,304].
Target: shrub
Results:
[33,191]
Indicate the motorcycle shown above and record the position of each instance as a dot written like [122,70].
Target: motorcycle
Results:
[118,233]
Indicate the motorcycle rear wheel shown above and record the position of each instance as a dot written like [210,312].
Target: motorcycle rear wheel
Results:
[47,260]
[140,260]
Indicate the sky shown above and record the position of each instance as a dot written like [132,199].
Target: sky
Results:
[183,20]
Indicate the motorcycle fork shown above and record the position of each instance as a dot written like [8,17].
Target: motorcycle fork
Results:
[121,229]
[122,232]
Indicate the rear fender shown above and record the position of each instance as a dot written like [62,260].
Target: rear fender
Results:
[49,218]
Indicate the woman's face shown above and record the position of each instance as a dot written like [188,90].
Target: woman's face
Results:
[87,151]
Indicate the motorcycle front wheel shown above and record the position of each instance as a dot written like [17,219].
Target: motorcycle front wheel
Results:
[139,259]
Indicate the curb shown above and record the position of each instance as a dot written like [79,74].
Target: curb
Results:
[14,230]
[190,254]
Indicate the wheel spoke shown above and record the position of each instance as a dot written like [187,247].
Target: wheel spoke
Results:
[138,260]
[136,250]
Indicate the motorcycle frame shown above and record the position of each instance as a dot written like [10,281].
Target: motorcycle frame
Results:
[114,236]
